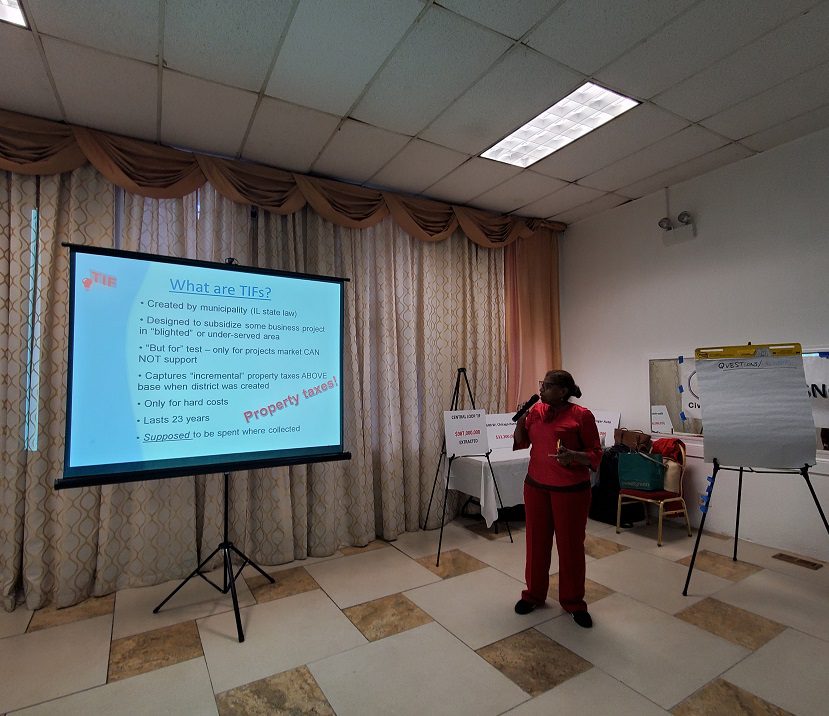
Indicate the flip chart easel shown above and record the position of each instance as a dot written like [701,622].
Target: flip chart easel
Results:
[754,405]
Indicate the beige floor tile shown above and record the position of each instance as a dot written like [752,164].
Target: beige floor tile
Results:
[87,609]
[153,650]
[376,544]
[497,531]
[371,575]
[292,692]
[534,661]
[452,563]
[598,547]
[249,571]
[180,690]
[425,542]
[478,607]
[720,698]
[789,672]
[16,622]
[592,693]
[287,583]
[197,599]
[419,671]
[662,658]
[732,623]
[721,565]
[505,556]
[279,635]
[53,662]
[386,616]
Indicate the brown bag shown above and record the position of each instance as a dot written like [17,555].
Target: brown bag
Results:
[634,439]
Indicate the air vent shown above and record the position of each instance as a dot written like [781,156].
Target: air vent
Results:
[799,561]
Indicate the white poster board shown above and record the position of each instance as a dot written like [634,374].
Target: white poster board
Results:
[661,420]
[465,432]
[755,410]
[606,422]
[499,430]
[689,388]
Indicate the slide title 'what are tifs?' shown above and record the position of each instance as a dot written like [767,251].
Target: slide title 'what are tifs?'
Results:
[203,288]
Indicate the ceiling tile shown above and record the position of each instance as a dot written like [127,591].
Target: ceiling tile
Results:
[24,85]
[223,112]
[122,99]
[787,100]
[570,196]
[132,31]
[603,203]
[357,151]
[587,34]
[694,167]
[310,69]
[693,41]
[403,98]
[471,179]
[634,130]
[522,85]
[667,152]
[789,50]
[286,136]
[227,42]
[787,131]
[418,166]
[518,191]
[511,17]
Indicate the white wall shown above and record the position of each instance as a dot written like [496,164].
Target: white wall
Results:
[758,270]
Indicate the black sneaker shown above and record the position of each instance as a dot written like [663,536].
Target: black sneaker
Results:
[522,606]
[582,618]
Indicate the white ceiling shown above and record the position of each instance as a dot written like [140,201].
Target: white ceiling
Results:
[403,94]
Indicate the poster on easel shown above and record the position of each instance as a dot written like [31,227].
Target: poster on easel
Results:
[465,432]
[754,408]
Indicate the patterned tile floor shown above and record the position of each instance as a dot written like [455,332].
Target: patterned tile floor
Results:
[383,629]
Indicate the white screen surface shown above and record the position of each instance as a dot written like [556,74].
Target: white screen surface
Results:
[185,367]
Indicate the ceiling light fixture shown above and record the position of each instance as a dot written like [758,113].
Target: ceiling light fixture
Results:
[10,11]
[580,112]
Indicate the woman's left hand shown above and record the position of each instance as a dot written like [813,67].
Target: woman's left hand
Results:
[565,457]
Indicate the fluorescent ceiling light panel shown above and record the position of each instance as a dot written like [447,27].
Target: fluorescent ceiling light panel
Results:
[10,12]
[580,112]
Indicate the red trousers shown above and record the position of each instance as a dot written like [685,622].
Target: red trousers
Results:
[563,514]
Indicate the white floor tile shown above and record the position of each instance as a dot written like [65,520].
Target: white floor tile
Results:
[362,577]
[795,602]
[420,671]
[789,671]
[249,571]
[676,543]
[279,635]
[654,581]
[197,599]
[183,689]
[594,693]
[662,658]
[594,527]
[53,662]
[16,622]
[425,542]
[478,607]
[505,556]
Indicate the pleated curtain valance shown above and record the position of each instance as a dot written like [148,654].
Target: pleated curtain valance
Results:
[30,145]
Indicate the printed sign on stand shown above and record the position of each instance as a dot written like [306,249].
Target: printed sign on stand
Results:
[606,422]
[465,432]
[499,430]
[660,420]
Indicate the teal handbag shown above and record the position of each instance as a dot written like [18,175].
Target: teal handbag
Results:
[638,471]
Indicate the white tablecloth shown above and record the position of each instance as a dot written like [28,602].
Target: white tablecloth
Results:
[471,475]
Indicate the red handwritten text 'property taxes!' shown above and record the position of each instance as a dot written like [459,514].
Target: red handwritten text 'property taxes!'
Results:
[289,400]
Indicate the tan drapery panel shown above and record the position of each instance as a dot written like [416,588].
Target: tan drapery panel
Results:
[532,321]
[29,145]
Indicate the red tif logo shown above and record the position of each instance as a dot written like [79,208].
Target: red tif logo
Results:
[99,278]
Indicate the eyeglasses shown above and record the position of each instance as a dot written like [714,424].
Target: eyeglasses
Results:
[543,384]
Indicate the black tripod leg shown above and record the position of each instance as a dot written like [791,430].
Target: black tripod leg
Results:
[701,526]
[443,516]
[498,492]
[229,577]
[805,472]
[737,523]
[248,560]
[435,483]
[192,574]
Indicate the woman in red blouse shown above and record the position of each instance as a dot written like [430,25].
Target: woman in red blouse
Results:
[565,443]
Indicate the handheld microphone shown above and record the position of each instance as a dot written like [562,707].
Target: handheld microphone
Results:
[524,408]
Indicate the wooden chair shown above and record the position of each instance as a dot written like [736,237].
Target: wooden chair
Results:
[669,500]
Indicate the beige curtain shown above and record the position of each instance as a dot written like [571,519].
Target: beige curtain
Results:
[415,312]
